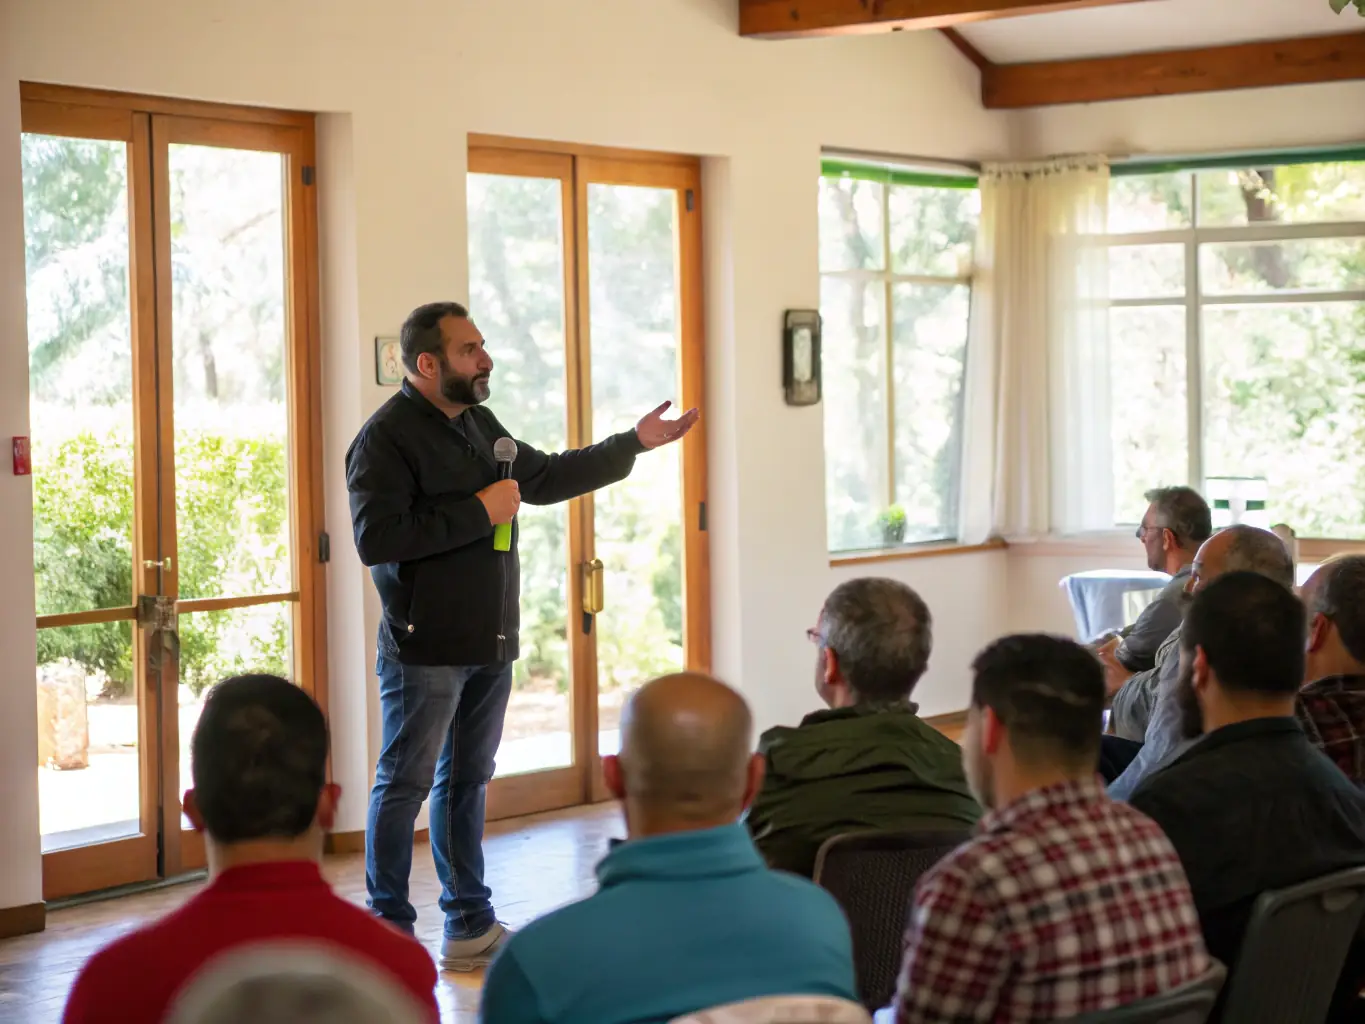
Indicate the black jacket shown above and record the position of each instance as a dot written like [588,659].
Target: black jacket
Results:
[1250,807]
[413,473]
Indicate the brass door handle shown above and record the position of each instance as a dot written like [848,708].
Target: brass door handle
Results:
[594,599]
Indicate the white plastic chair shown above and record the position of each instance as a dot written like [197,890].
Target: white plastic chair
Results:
[293,983]
[781,1010]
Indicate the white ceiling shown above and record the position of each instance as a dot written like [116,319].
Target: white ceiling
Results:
[1153,25]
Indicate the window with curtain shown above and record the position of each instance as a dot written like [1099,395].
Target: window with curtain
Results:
[1237,321]
[895,289]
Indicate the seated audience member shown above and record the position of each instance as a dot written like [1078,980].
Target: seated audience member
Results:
[1331,707]
[687,915]
[1065,902]
[261,798]
[869,762]
[1236,549]
[1175,525]
[1253,805]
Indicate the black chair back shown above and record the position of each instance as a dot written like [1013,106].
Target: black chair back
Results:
[1191,1003]
[1292,953]
[873,875]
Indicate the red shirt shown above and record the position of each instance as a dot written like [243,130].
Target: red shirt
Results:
[136,979]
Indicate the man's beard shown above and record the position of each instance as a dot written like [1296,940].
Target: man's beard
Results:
[461,390]
[1191,714]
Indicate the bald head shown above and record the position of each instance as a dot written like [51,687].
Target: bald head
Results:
[1243,548]
[686,742]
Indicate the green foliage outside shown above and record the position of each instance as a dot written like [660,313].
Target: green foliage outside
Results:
[1283,384]
[928,233]
[232,491]
[516,296]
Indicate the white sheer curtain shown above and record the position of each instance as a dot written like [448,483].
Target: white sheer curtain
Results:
[1036,449]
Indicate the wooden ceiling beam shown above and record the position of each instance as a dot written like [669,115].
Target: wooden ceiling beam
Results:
[1304,61]
[787,19]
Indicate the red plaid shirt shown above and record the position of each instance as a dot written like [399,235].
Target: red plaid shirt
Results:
[1332,713]
[1065,902]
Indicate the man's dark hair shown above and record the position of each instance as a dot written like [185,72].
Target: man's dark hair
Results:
[1251,549]
[1340,596]
[882,632]
[260,759]
[421,331]
[1048,692]
[1251,631]
[1184,512]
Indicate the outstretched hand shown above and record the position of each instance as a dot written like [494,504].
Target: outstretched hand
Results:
[654,431]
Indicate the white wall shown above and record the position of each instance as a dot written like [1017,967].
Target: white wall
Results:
[1248,119]
[967,596]
[402,83]
[20,866]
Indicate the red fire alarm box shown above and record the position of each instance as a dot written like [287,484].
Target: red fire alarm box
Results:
[23,463]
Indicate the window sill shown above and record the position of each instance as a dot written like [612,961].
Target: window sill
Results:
[933,549]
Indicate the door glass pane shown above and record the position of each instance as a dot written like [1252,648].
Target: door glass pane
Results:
[1283,401]
[853,351]
[928,352]
[633,301]
[80,371]
[1149,429]
[88,768]
[217,645]
[516,292]
[232,480]
[81,415]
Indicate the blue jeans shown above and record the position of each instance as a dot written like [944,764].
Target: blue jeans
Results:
[442,726]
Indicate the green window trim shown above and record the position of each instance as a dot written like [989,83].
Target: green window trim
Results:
[1232,161]
[894,175]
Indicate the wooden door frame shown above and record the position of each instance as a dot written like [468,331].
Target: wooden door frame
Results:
[147,124]
[576,166]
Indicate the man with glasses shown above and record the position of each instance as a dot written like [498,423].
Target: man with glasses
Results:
[868,761]
[1177,521]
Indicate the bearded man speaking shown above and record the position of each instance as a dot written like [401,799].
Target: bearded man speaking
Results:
[427,500]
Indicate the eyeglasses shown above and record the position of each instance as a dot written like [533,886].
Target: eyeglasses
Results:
[1144,529]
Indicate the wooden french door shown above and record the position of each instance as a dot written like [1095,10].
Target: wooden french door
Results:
[585,278]
[176,447]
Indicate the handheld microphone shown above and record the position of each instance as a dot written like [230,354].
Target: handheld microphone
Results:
[504,454]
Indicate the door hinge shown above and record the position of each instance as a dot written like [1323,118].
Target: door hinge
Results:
[324,547]
[701,516]
[308,175]
[689,199]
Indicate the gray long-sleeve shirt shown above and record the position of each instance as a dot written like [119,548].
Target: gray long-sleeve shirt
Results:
[1137,651]
[1163,741]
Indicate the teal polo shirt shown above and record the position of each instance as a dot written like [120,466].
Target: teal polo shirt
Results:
[680,922]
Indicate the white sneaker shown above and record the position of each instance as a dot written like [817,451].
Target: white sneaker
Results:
[473,954]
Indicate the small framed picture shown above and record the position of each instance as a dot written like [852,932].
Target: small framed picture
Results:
[388,362]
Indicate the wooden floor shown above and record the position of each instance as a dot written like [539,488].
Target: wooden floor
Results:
[533,866]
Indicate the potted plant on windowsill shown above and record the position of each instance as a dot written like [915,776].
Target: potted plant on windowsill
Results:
[891,523]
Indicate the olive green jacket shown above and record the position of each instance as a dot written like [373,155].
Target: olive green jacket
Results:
[874,766]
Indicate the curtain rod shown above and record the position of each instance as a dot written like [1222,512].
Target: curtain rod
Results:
[901,159]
